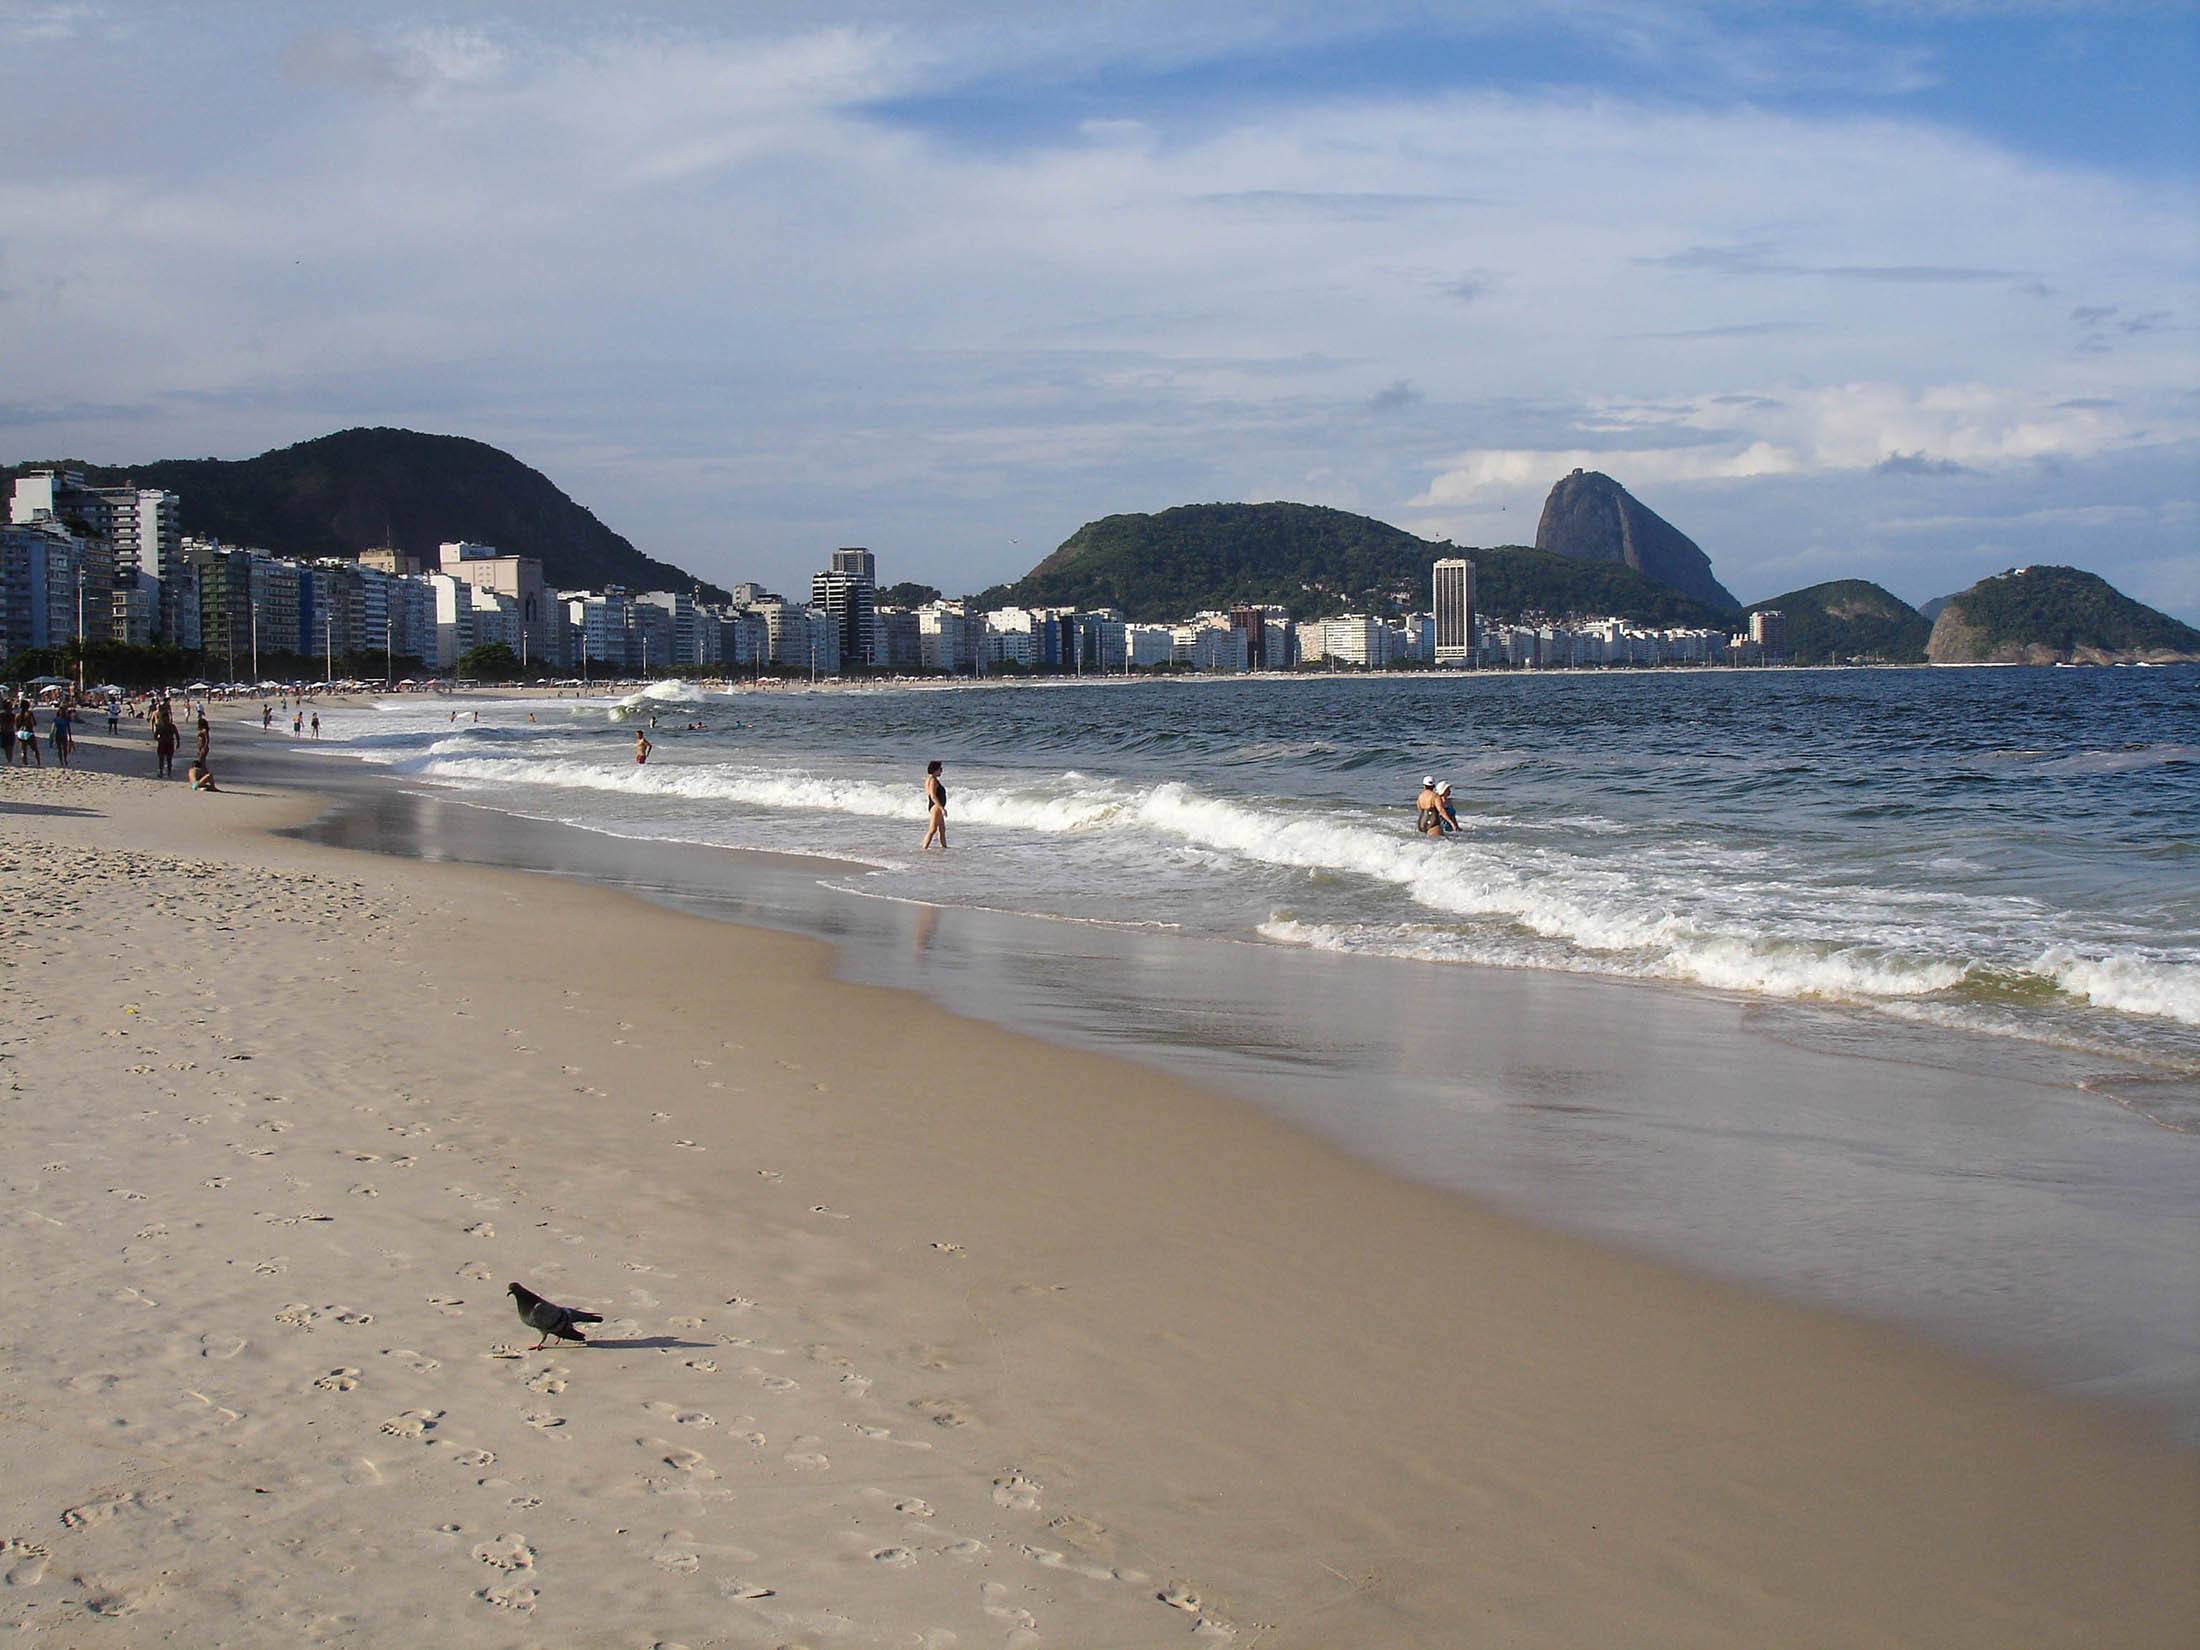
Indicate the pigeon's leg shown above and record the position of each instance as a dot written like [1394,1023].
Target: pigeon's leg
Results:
[539,1345]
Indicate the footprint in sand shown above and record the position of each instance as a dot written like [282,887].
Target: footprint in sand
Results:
[950,1248]
[412,1423]
[475,1270]
[703,1366]
[742,1592]
[829,1214]
[506,1552]
[22,1563]
[691,1146]
[1016,1492]
[521,1599]
[883,1436]
[684,1460]
[966,1549]
[941,1412]
[894,1557]
[339,1380]
[549,1382]
[106,1509]
[994,1600]
[684,1417]
[447,1305]
[216,1184]
[545,1423]
[677,1562]
[473,1460]
[481,1229]
[418,1362]
[807,1460]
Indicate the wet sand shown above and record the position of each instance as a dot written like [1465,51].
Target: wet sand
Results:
[917,1331]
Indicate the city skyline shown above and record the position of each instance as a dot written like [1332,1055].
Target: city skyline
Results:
[1901,293]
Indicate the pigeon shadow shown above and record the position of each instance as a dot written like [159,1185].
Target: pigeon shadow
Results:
[648,1343]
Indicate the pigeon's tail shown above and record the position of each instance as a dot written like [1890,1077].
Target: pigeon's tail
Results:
[586,1317]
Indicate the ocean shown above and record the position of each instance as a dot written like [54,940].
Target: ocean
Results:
[2009,851]
[1879,989]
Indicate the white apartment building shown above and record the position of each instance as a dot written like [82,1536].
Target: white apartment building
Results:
[1150,644]
[946,638]
[1356,639]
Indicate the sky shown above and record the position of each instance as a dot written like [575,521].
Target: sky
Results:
[1904,292]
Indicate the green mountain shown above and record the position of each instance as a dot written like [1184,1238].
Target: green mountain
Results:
[356,489]
[1316,561]
[1848,620]
[2047,615]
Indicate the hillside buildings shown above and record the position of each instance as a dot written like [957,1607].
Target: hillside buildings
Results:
[111,564]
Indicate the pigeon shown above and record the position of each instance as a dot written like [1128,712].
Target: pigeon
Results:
[548,1316]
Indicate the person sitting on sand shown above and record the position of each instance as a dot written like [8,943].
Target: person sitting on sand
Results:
[202,778]
[642,747]
[935,802]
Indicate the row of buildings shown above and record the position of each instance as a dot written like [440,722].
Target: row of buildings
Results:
[112,564]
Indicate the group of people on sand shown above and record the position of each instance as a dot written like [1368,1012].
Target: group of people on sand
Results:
[166,737]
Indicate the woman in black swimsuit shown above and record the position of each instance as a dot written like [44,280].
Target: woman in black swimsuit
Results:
[935,800]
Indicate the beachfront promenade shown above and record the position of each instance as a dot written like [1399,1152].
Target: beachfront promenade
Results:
[893,1352]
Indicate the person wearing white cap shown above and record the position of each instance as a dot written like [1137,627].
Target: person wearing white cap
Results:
[1428,808]
[1446,820]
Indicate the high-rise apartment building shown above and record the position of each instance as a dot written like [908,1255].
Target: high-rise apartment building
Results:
[1454,582]
[848,590]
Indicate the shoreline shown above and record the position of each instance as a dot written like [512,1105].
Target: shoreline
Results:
[1920,1176]
[1144,1330]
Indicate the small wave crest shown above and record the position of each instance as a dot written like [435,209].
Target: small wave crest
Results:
[2127,982]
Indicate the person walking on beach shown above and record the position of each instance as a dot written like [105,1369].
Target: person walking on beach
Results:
[64,730]
[316,724]
[267,716]
[297,723]
[935,802]
[164,739]
[26,734]
[114,715]
[642,747]
[205,743]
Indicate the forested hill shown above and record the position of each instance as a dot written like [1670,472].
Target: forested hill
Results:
[1848,620]
[356,489]
[1316,561]
[2041,615]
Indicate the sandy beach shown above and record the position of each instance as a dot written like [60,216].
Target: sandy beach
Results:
[917,1332]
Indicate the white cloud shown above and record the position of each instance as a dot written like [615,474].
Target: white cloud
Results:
[1766,432]
[712,249]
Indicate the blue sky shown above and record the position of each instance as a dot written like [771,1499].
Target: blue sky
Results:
[1904,292]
